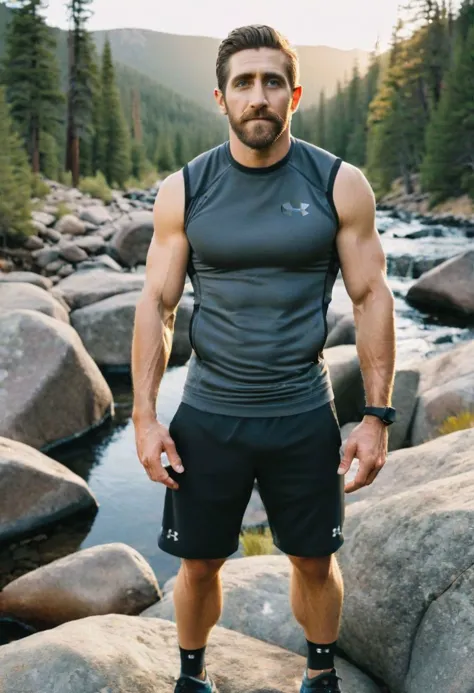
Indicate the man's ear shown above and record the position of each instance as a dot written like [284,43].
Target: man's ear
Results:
[220,100]
[297,94]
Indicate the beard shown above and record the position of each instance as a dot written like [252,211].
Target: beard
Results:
[259,130]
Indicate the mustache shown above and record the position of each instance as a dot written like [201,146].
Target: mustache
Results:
[263,116]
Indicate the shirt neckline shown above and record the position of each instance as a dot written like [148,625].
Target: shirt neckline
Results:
[260,169]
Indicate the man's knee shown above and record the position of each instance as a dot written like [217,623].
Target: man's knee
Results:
[318,569]
[197,570]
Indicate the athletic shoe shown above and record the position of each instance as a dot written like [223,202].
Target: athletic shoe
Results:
[324,683]
[188,684]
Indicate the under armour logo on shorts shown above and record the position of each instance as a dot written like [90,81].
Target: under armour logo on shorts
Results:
[336,532]
[172,535]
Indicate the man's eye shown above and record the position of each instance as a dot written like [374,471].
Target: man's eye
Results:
[274,82]
[241,83]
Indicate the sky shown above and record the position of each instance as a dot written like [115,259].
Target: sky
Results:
[343,24]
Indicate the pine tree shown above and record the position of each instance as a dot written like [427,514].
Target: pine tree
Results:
[465,19]
[114,137]
[15,179]
[80,85]
[89,141]
[164,154]
[321,121]
[31,76]
[337,131]
[448,168]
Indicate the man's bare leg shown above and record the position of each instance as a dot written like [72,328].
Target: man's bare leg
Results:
[198,601]
[317,593]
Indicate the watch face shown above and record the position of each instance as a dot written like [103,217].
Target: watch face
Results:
[389,416]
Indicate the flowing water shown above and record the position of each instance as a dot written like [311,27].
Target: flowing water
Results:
[130,504]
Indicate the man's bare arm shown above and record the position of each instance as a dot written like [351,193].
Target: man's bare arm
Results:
[154,322]
[363,268]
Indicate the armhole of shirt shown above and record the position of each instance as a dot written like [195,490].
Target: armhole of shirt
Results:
[330,189]
[187,192]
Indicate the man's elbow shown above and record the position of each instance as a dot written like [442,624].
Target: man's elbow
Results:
[376,295]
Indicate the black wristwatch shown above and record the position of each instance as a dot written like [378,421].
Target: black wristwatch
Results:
[385,414]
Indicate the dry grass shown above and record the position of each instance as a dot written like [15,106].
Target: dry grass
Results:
[460,422]
[257,542]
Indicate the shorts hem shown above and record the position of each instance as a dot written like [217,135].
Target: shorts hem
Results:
[198,556]
[318,553]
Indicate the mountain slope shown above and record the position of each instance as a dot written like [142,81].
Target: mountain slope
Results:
[186,64]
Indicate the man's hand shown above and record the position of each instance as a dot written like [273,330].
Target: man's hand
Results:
[368,443]
[152,439]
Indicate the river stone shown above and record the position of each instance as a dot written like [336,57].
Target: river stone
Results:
[129,654]
[133,237]
[106,328]
[256,604]
[17,295]
[440,659]
[50,388]
[33,243]
[343,332]
[347,383]
[92,244]
[181,350]
[50,235]
[79,585]
[72,253]
[43,218]
[83,288]
[69,223]
[400,555]
[96,214]
[45,256]
[36,490]
[27,278]
[447,288]
[404,399]
[99,262]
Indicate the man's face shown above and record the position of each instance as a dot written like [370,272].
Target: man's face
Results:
[258,98]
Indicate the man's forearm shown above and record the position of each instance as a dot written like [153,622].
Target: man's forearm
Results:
[375,340]
[151,348]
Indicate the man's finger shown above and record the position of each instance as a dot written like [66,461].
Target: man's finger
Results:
[373,474]
[348,456]
[360,478]
[159,474]
[172,454]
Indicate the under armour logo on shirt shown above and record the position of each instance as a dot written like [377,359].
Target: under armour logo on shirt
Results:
[172,535]
[288,209]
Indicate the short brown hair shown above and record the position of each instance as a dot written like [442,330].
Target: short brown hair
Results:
[254,36]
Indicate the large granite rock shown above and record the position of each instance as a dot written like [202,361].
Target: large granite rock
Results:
[129,654]
[18,295]
[446,389]
[27,278]
[80,585]
[50,388]
[132,240]
[83,288]
[36,490]
[401,554]
[447,288]
[70,224]
[96,214]
[404,399]
[346,378]
[181,349]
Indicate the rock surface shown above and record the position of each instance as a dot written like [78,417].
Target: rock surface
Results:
[27,278]
[448,287]
[129,654]
[96,214]
[80,585]
[36,490]
[346,381]
[132,240]
[17,295]
[83,288]
[50,388]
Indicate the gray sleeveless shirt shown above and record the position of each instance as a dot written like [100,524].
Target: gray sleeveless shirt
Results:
[263,262]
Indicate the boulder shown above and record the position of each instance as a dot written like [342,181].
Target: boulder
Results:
[72,253]
[91,244]
[181,350]
[402,554]
[447,288]
[446,389]
[133,237]
[50,388]
[15,295]
[50,235]
[79,585]
[347,383]
[404,399]
[45,256]
[99,262]
[43,218]
[36,490]
[26,278]
[444,640]
[33,243]
[96,214]
[106,328]
[69,223]
[343,332]
[129,654]
[83,288]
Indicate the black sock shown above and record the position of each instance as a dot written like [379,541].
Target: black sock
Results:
[320,656]
[192,661]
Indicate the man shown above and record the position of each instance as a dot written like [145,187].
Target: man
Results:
[262,225]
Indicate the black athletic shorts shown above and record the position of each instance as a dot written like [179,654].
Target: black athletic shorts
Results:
[294,460]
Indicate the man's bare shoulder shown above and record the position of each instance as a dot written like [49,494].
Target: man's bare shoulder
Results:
[353,195]
[168,209]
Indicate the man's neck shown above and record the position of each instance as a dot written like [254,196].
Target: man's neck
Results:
[255,158]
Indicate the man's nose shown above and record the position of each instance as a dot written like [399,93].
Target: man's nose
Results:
[258,96]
